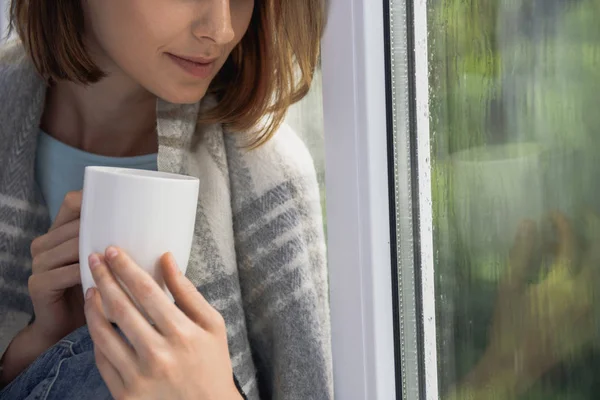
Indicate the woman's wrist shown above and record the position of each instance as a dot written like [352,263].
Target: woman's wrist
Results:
[22,352]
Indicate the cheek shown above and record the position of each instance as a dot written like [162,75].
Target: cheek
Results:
[132,35]
[131,31]
[128,39]
[241,16]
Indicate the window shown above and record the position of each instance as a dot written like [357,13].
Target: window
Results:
[502,173]
[3,18]
[306,118]
[464,246]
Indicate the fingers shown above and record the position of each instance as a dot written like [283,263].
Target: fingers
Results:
[188,298]
[69,210]
[55,238]
[592,227]
[110,344]
[567,244]
[521,255]
[590,262]
[56,249]
[64,254]
[121,308]
[168,318]
[592,232]
[109,374]
[55,282]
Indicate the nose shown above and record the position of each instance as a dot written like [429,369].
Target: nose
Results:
[214,22]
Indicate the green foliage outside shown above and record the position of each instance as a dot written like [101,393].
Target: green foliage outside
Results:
[511,71]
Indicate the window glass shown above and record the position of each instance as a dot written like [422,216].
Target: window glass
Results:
[514,93]
[3,19]
[306,118]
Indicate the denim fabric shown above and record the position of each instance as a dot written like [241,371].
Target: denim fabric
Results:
[67,371]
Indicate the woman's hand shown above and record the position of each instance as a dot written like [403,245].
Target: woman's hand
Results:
[54,288]
[537,326]
[184,356]
[55,283]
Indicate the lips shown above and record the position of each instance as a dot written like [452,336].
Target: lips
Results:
[197,60]
[198,67]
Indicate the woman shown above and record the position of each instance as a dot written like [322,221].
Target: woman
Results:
[193,87]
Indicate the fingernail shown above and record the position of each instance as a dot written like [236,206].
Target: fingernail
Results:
[94,261]
[89,293]
[111,253]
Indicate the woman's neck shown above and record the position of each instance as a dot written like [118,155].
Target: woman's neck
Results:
[113,117]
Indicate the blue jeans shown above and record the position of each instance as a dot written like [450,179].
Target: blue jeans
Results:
[67,371]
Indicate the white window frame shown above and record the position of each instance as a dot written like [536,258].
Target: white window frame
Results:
[354,102]
[427,251]
[358,200]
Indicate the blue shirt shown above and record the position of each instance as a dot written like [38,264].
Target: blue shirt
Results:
[59,168]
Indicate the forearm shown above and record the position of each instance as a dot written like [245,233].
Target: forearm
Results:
[22,352]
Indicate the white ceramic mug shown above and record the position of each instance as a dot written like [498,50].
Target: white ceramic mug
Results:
[145,213]
[495,188]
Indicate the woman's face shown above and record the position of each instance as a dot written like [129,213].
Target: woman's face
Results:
[172,48]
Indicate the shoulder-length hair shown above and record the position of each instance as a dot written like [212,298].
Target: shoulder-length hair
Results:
[270,69]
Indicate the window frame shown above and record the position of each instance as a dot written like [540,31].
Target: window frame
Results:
[420,50]
[412,212]
[380,214]
[358,193]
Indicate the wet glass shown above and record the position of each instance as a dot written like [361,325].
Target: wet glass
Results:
[514,93]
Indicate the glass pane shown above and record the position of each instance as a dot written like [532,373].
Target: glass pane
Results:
[514,94]
[306,118]
[3,19]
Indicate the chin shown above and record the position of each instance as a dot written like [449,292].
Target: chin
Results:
[183,98]
[179,94]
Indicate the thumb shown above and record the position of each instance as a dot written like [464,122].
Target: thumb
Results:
[566,248]
[592,229]
[591,258]
[521,256]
